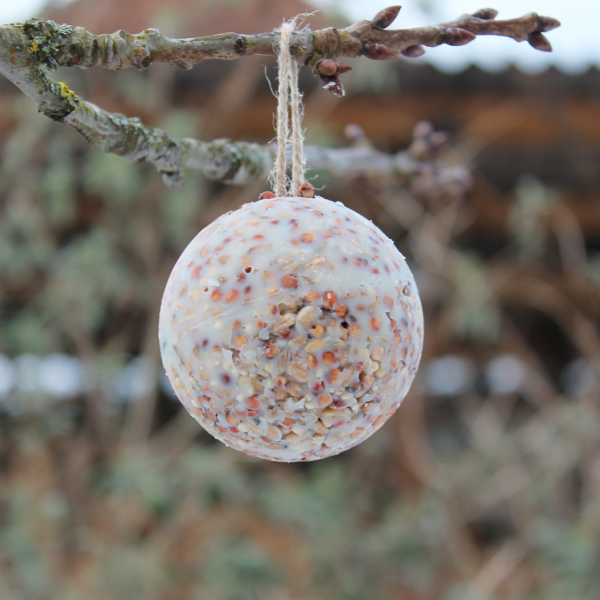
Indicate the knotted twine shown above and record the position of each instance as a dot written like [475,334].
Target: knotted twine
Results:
[289,108]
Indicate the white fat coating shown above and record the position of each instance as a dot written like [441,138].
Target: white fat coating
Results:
[310,339]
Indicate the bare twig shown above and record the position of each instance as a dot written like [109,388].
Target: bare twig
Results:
[29,50]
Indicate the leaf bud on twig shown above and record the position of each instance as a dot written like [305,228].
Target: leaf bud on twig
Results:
[454,36]
[413,51]
[376,51]
[487,14]
[333,85]
[547,23]
[538,41]
[384,18]
[327,67]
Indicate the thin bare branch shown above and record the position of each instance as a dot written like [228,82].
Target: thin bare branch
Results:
[29,50]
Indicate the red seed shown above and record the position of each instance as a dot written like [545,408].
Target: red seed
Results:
[328,358]
[341,311]
[196,272]
[216,296]
[330,298]
[270,350]
[231,295]
[375,323]
[252,403]
[307,237]
[290,281]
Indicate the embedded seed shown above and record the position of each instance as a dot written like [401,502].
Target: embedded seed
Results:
[240,341]
[328,358]
[311,296]
[348,374]
[286,321]
[330,298]
[315,262]
[354,330]
[328,414]
[357,432]
[293,388]
[298,372]
[307,316]
[378,421]
[274,433]
[367,381]
[324,401]
[256,384]
[252,403]
[318,330]
[270,350]
[341,311]
[233,421]
[374,305]
[289,281]
[314,346]
[333,376]
[292,438]
[280,395]
[312,360]
[377,354]
[320,428]
[307,237]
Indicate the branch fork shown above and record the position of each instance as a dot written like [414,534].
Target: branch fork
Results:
[28,51]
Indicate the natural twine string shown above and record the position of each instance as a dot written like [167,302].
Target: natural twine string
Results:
[289,106]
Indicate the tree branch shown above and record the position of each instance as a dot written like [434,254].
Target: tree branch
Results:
[28,51]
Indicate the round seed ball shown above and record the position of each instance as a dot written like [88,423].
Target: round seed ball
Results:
[291,329]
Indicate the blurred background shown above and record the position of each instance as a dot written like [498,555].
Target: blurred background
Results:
[484,485]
